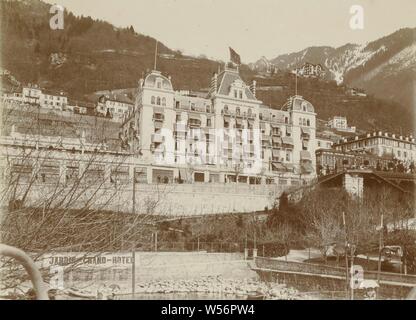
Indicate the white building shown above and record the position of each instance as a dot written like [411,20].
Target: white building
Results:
[309,70]
[55,100]
[340,124]
[119,106]
[31,94]
[229,136]
[382,145]
[323,142]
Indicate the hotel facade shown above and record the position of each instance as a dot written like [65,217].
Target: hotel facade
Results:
[227,136]
[189,154]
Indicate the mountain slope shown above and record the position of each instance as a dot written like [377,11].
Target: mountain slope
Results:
[92,55]
[88,55]
[385,67]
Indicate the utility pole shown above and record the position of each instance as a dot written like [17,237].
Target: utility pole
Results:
[156,241]
[380,248]
[346,254]
[296,82]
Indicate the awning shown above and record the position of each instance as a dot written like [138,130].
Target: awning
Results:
[288,141]
[158,110]
[278,166]
[288,129]
[289,166]
[195,116]
[307,168]
[277,140]
[306,130]
[305,155]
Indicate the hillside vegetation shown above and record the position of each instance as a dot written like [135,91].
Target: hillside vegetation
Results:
[92,55]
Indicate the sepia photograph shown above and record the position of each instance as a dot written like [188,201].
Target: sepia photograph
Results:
[203,150]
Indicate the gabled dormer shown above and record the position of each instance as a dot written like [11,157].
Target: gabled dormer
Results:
[229,84]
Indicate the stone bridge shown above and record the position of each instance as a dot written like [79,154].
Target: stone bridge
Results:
[356,181]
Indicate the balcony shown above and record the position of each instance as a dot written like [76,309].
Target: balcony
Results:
[276,133]
[306,133]
[194,123]
[159,117]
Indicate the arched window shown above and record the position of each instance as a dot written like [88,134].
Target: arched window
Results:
[304,121]
[158,101]
[153,101]
[308,123]
[163,101]
[260,116]
[225,108]
[249,112]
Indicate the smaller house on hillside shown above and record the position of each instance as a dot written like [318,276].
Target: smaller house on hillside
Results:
[117,106]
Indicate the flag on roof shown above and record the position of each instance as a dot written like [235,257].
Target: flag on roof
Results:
[235,57]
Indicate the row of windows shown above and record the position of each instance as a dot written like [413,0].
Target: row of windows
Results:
[179,119]
[238,94]
[238,111]
[304,122]
[380,141]
[47,97]
[208,108]
[158,101]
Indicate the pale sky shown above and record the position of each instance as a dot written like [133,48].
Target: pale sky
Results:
[252,27]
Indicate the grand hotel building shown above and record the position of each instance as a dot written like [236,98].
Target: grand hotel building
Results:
[225,136]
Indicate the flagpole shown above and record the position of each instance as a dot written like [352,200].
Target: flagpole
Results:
[296,82]
[156,55]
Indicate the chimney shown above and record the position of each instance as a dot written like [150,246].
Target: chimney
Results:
[214,83]
[253,88]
